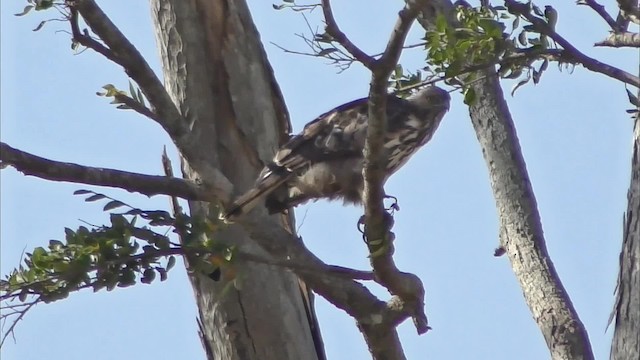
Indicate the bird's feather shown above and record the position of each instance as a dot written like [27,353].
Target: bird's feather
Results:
[325,160]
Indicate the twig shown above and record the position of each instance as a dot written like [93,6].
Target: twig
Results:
[136,106]
[119,50]
[599,8]
[149,185]
[592,64]
[17,320]
[625,39]
[333,30]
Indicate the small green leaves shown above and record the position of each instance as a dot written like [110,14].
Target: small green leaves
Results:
[43,4]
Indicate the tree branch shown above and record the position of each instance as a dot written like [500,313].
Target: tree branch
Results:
[625,39]
[335,32]
[122,52]
[520,9]
[344,293]
[407,287]
[599,8]
[521,235]
[149,185]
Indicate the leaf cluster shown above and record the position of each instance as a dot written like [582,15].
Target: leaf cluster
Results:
[116,255]
[482,39]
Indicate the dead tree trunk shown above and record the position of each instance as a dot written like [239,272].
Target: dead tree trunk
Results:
[626,336]
[216,71]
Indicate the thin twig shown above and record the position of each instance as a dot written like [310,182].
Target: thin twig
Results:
[136,106]
[333,30]
[589,63]
[17,320]
[119,49]
[599,8]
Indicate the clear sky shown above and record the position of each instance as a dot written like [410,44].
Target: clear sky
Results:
[573,130]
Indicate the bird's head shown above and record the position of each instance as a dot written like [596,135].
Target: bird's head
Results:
[431,97]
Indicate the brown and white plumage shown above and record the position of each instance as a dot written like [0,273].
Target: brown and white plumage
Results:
[326,159]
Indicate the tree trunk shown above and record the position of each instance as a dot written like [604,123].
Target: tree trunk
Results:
[626,336]
[216,71]
[521,234]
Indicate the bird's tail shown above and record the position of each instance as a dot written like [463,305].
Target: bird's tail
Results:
[250,199]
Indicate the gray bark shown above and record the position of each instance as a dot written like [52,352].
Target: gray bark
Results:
[626,336]
[216,71]
[521,234]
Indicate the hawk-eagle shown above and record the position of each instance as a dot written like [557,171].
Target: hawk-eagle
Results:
[326,159]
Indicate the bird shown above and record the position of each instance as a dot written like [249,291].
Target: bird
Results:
[326,159]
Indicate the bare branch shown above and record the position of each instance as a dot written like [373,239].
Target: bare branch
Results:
[24,308]
[625,39]
[344,293]
[145,184]
[407,287]
[592,64]
[136,106]
[333,30]
[598,8]
[119,50]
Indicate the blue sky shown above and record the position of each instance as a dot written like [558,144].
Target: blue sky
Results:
[573,130]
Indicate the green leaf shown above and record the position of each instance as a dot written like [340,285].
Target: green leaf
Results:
[148,276]
[82,192]
[632,98]
[132,91]
[140,97]
[25,11]
[327,51]
[40,25]
[95,197]
[536,76]
[163,273]
[55,245]
[522,38]
[279,7]
[518,85]
[113,204]
[171,262]
[43,4]
[469,96]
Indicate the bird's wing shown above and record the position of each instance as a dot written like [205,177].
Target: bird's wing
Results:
[339,133]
